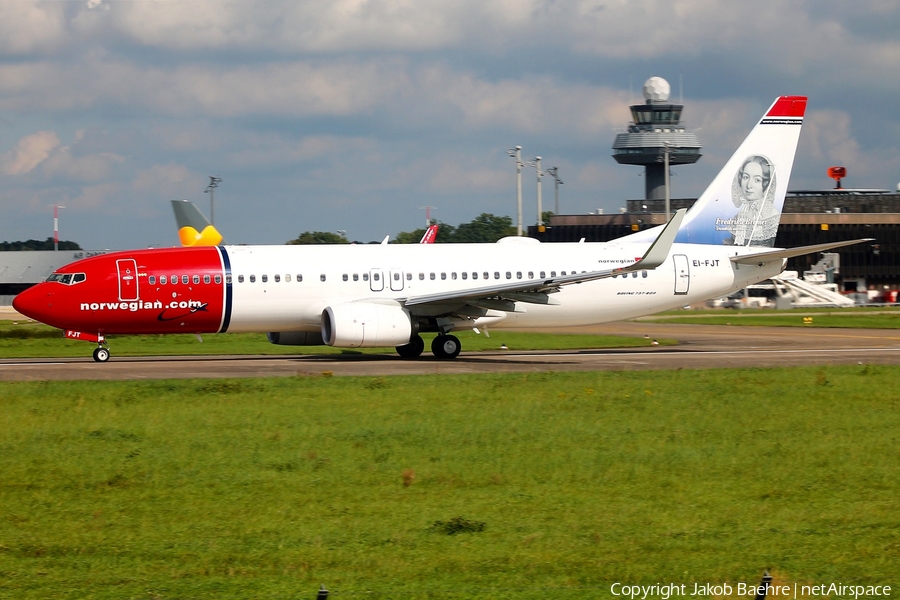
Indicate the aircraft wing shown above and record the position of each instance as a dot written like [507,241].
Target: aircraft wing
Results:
[750,259]
[536,291]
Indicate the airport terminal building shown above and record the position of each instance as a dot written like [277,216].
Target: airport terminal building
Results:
[809,217]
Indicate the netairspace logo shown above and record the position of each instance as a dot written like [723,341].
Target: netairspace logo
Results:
[665,591]
[140,305]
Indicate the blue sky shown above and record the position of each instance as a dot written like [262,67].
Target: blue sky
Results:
[351,114]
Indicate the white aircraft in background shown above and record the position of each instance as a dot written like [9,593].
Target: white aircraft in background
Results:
[385,295]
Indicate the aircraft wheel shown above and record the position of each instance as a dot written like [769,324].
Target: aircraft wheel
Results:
[446,346]
[101,355]
[413,349]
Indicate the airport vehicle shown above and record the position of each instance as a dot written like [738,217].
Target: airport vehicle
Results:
[385,295]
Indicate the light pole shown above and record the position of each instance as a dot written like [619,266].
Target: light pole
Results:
[517,154]
[554,172]
[427,210]
[666,149]
[56,208]
[213,184]
[536,163]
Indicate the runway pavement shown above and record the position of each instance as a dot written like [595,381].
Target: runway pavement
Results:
[700,347]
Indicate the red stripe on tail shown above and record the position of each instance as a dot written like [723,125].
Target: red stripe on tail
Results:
[788,106]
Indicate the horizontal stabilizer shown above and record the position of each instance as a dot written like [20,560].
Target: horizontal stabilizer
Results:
[771,255]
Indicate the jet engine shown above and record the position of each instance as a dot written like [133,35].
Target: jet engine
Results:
[366,325]
[295,338]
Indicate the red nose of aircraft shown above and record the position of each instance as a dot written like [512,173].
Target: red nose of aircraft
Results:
[36,303]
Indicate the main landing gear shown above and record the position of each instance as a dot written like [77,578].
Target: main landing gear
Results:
[444,347]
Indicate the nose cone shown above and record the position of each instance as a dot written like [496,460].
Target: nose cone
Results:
[36,303]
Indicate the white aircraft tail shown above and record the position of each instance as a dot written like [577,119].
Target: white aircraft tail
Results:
[742,206]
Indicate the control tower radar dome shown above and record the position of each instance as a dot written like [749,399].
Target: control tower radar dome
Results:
[656,136]
[657,89]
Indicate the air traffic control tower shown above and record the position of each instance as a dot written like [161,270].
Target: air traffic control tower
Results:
[655,129]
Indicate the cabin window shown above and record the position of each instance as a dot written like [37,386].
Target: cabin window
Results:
[287,277]
[174,279]
[486,275]
[553,273]
[431,276]
[265,278]
[196,279]
[443,276]
[218,279]
[240,279]
[496,274]
[409,276]
[253,279]
[185,279]
[465,275]
[518,274]
[299,278]
[530,274]
[277,278]
[543,274]
[453,275]
[322,277]
[509,274]
[396,276]
[365,276]
[356,277]
[643,273]
[152,280]
[563,273]
[375,277]
[474,275]
[421,276]
[345,277]
[206,279]
[162,280]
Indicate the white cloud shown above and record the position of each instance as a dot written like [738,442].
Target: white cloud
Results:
[31,151]
[28,27]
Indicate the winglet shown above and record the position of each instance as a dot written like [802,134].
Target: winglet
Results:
[658,251]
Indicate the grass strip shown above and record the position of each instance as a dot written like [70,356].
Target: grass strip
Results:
[33,340]
[550,485]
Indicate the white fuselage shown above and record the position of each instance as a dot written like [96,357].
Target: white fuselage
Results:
[292,285]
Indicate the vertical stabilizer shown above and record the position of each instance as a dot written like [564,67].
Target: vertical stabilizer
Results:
[743,204]
[194,229]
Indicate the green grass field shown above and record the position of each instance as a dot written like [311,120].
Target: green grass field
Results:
[33,340]
[267,488]
[859,318]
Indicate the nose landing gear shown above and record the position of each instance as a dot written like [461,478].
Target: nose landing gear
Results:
[101,354]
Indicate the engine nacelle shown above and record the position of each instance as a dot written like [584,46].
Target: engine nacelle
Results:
[295,338]
[366,325]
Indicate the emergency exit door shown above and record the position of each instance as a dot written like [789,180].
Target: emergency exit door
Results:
[128,281]
[682,274]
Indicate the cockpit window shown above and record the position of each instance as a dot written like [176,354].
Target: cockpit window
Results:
[67,278]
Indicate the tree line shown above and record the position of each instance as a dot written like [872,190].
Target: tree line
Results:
[485,228]
[30,245]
